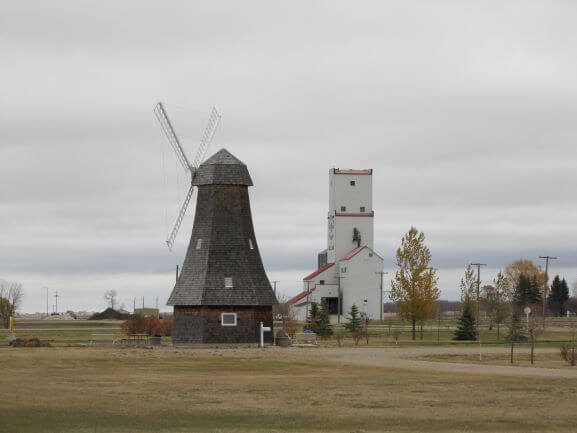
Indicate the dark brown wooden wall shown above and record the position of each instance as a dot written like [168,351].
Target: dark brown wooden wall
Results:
[201,325]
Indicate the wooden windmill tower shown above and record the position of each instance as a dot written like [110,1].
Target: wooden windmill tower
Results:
[222,294]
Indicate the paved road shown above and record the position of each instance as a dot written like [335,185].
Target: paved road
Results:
[407,358]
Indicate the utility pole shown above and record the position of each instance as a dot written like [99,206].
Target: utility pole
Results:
[308,293]
[56,302]
[46,301]
[134,306]
[176,280]
[274,284]
[478,303]
[546,288]
[381,273]
[143,302]
[340,300]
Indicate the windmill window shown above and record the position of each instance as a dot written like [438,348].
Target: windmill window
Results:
[322,282]
[228,319]
[198,244]
[343,270]
[343,208]
[353,183]
[370,254]
[228,282]
[250,244]
[362,208]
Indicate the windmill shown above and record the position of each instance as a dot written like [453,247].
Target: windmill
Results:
[205,140]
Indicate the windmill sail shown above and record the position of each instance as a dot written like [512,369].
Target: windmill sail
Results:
[207,136]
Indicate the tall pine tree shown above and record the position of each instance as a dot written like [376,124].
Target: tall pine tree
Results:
[324,327]
[313,319]
[558,297]
[466,329]
[354,320]
[526,292]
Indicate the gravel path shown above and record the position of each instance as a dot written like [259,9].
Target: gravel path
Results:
[407,358]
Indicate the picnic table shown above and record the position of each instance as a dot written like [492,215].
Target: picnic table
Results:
[306,339]
[138,339]
[103,339]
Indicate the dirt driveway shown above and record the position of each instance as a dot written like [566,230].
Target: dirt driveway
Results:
[408,358]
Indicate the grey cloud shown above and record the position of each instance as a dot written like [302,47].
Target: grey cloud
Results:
[464,111]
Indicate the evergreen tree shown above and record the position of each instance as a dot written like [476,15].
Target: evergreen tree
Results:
[466,329]
[558,297]
[324,327]
[535,296]
[354,320]
[313,319]
[526,292]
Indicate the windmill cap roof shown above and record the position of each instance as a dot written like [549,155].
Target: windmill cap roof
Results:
[222,168]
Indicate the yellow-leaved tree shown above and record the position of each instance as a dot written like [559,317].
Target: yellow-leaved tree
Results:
[414,287]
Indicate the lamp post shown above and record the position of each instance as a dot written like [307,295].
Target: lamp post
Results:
[527,311]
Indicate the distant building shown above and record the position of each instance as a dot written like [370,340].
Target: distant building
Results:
[349,270]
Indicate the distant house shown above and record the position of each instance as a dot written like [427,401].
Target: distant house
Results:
[145,312]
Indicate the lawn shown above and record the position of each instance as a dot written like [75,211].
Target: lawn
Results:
[270,390]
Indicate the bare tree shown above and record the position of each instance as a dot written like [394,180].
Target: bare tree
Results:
[281,309]
[110,298]
[533,331]
[11,294]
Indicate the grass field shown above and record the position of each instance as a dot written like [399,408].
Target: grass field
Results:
[113,389]
[78,332]
[271,390]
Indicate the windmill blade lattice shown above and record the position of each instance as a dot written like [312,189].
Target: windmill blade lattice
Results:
[168,130]
[207,136]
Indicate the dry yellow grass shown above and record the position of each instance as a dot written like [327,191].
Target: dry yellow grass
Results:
[272,390]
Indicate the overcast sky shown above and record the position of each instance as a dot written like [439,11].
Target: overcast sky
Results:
[466,111]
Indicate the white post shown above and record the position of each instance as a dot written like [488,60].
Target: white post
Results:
[263,329]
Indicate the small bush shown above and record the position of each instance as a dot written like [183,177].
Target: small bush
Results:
[30,342]
[396,335]
[290,325]
[569,354]
[339,335]
[148,325]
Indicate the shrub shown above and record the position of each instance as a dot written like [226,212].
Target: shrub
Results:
[396,335]
[569,354]
[30,342]
[339,334]
[290,325]
[148,325]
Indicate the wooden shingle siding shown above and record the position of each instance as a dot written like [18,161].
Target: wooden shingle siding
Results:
[229,250]
[202,325]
